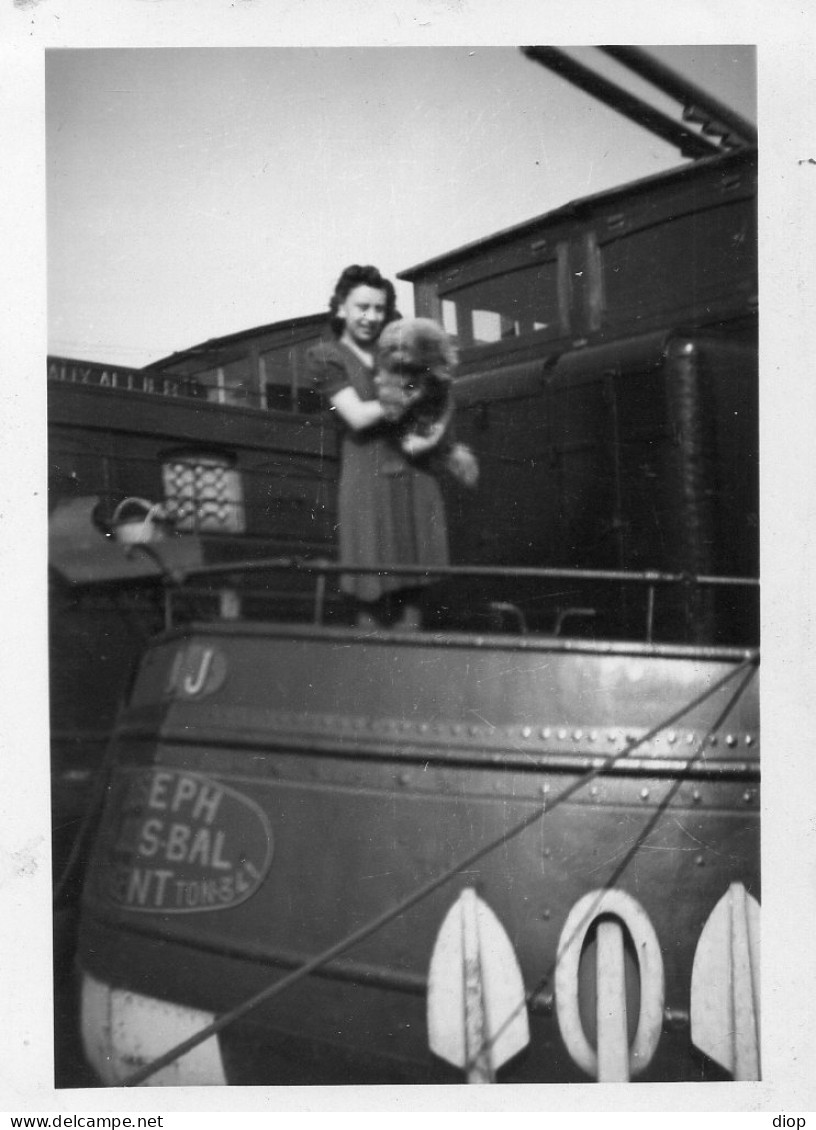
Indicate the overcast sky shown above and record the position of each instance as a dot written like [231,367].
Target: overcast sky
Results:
[197,192]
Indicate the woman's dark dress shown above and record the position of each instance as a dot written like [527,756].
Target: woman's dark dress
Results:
[390,508]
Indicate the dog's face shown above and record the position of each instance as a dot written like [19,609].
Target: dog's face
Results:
[415,350]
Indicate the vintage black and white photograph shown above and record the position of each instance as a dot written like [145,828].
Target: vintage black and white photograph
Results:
[403,545]
[402,512]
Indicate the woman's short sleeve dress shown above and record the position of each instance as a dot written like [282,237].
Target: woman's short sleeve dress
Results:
[391,510]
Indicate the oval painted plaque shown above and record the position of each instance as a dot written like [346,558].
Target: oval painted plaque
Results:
[179,842]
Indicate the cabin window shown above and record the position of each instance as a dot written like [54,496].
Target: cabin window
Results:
[203,493]
[303,400]
[682,262]
[239,385]
[488,326]
[287,385]
[229,384]
[510,305]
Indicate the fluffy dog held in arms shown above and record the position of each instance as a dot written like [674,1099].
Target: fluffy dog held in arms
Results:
[416,361]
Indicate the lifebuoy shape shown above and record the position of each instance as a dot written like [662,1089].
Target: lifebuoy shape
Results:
[650,963]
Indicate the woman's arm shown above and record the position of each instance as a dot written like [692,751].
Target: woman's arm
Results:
[357,413]
[363,414]
[329,373]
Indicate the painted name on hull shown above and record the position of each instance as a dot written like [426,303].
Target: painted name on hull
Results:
[182,843]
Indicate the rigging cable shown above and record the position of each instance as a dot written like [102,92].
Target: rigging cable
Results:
[747,667]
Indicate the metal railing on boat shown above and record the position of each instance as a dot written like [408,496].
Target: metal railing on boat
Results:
[321,569]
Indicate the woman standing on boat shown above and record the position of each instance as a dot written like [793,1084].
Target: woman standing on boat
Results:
[390,507]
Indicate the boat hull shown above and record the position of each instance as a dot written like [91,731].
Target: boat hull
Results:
[270,801]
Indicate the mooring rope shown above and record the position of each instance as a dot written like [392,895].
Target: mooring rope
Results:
[632,851]
[264,995]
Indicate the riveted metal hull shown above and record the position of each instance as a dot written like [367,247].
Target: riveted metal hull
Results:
[375,778]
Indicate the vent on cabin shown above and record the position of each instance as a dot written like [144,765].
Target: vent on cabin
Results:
[204,493]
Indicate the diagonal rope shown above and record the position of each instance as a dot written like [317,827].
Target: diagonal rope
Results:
[374,924]
[631,852]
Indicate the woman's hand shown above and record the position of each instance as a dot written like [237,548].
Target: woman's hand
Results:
[414,445]
[395,398]
[463,465]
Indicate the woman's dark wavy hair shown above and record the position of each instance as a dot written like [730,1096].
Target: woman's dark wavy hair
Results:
[355,276]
